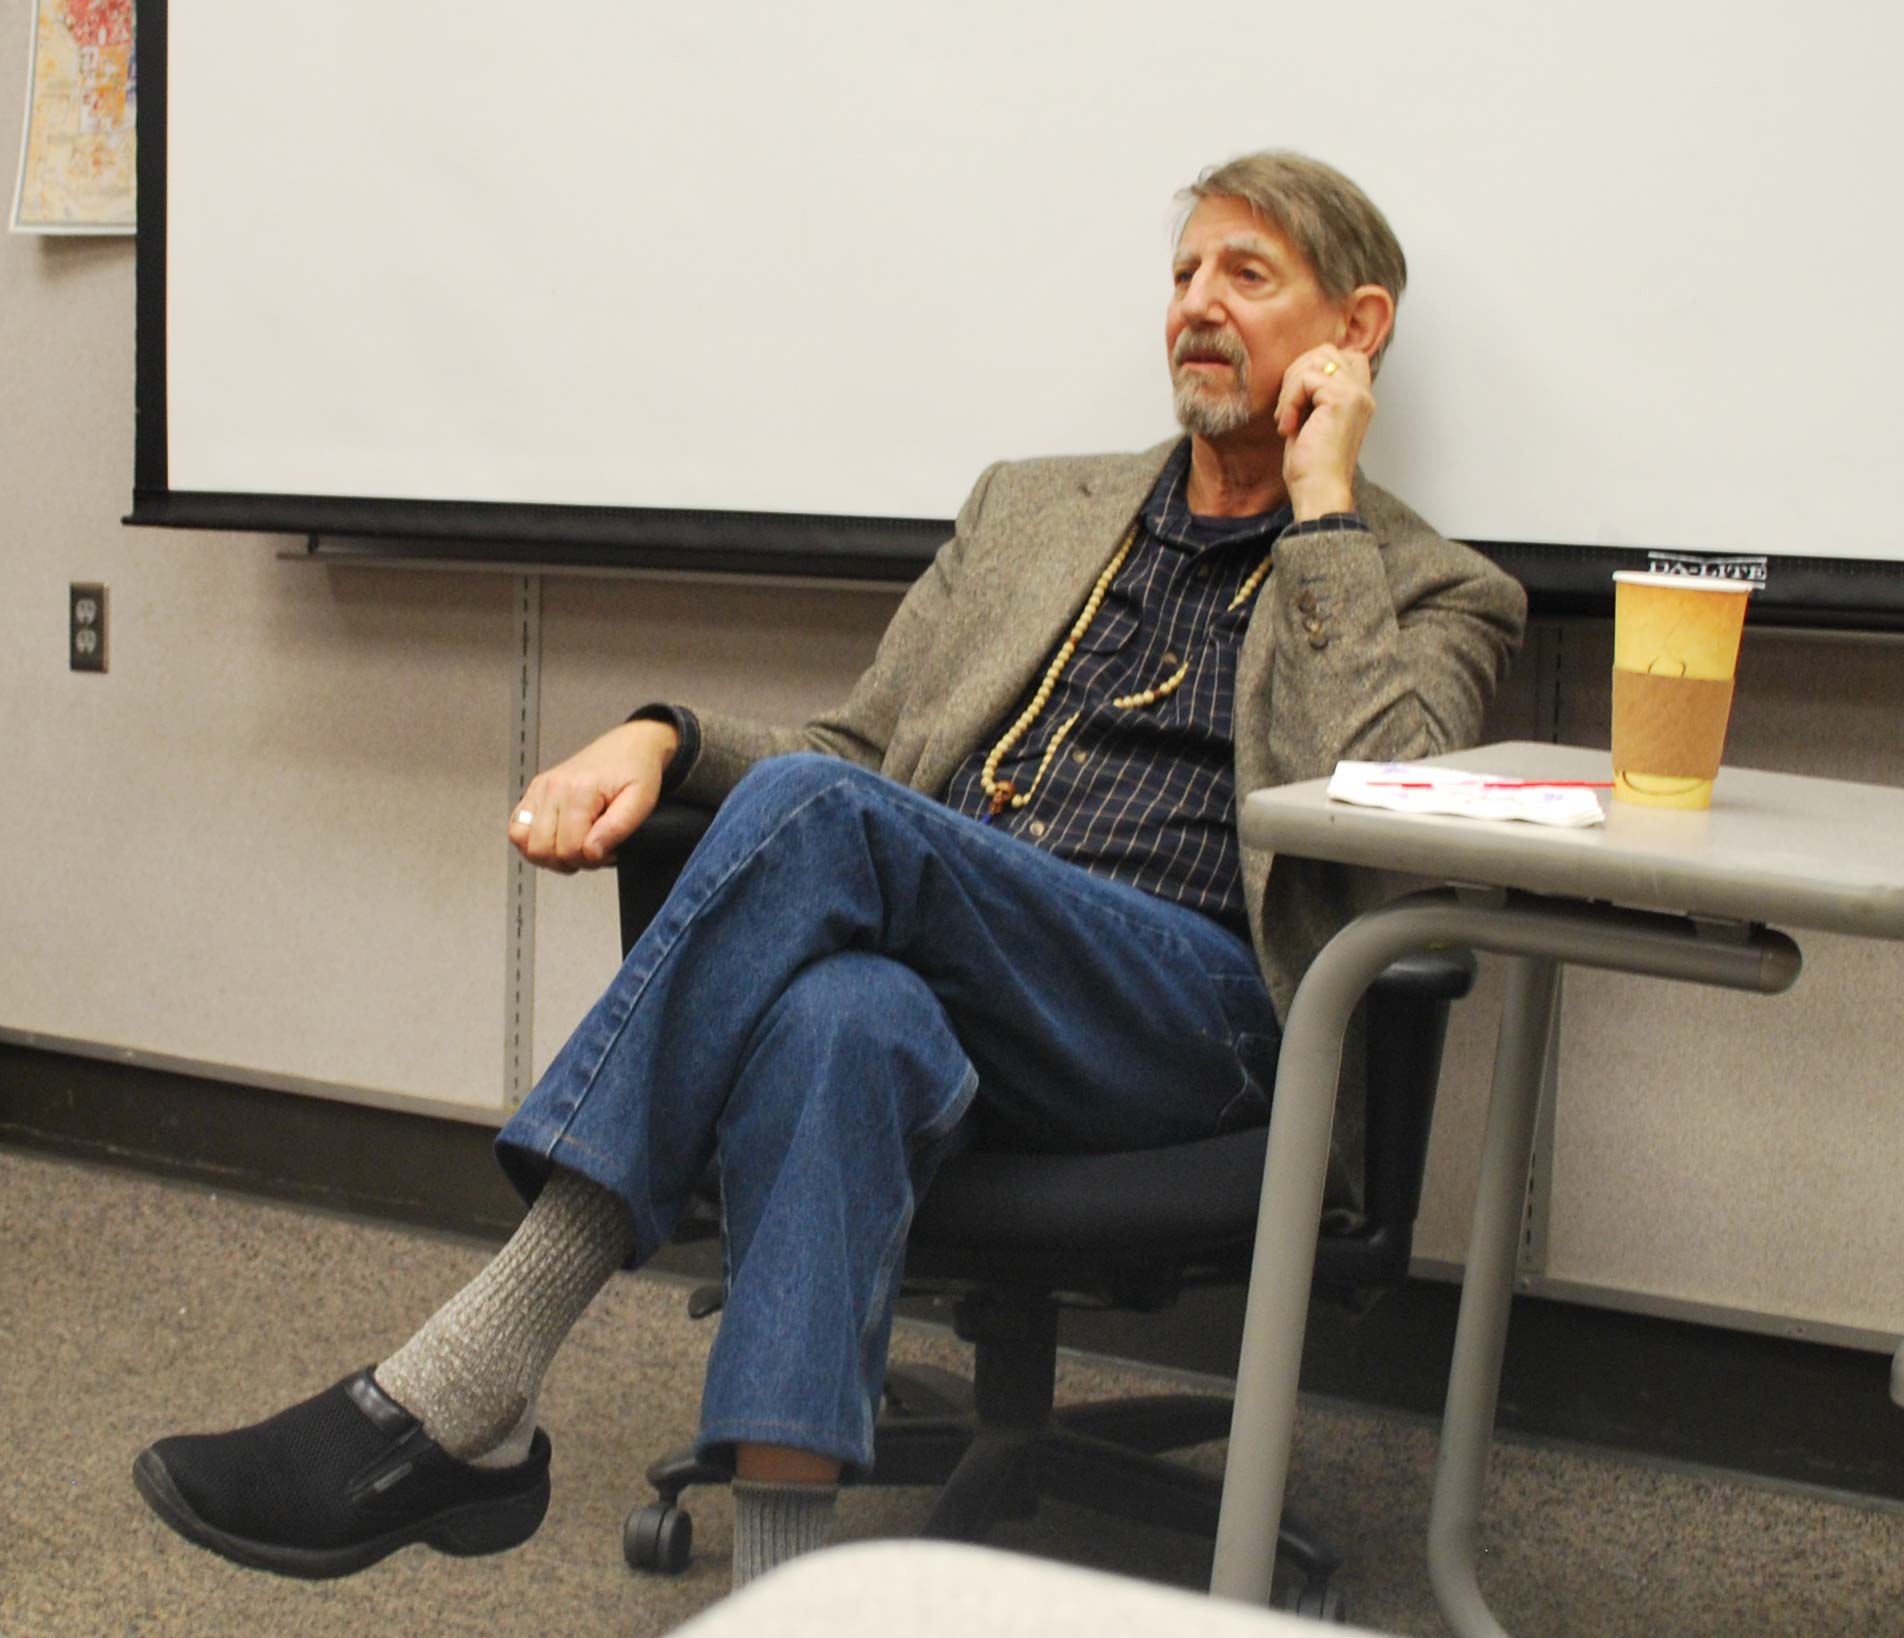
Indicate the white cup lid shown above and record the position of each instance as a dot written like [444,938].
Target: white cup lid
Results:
[1694,582]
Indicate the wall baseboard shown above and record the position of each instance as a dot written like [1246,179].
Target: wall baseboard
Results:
[1796,1411]
[393,1164]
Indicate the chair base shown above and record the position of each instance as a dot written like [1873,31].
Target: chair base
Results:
[996,1447]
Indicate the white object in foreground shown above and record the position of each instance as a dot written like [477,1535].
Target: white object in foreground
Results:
[927,1588]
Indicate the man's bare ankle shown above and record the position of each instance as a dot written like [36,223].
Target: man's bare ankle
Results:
[782,1464]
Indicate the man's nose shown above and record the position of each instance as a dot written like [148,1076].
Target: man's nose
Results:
[1199,302]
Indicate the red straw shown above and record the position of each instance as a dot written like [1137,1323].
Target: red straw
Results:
[1496,785]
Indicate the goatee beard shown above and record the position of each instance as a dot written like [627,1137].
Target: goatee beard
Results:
[1208,414]
[1203,408]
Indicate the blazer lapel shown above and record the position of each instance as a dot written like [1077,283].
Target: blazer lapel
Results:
[1055,567]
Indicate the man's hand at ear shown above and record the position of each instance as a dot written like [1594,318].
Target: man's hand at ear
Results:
[1322,416]
[576,814]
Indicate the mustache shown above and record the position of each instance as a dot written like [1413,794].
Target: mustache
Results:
[1218,344]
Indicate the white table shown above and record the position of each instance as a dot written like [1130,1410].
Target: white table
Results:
[1672,894]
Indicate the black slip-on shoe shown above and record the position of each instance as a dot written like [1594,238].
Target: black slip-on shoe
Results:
[330,1486]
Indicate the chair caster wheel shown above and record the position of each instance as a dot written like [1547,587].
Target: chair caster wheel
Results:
[658,1537]
[1319,1602]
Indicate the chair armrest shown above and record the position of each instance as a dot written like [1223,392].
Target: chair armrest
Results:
[648,862]
[1427,975]
[1406,1012]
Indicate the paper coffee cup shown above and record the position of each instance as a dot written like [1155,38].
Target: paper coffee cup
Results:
[1675,649]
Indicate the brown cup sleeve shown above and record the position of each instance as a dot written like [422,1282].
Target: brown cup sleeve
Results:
[1674,726]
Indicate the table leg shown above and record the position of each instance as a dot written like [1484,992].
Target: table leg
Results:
[1487,1291]
[1269,1364]
[1270,1359]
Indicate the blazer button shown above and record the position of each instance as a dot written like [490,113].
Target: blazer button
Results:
[1307,602]
[1312,625]
[1318,639]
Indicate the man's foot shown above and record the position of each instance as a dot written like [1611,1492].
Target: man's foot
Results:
[330,1486]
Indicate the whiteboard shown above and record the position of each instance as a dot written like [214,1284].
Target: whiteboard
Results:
[834,259]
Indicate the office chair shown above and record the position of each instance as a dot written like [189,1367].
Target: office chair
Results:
[1015,1237]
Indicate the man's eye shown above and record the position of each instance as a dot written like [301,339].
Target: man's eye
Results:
[1180,277]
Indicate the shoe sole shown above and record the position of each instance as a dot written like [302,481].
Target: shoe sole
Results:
[468,1531]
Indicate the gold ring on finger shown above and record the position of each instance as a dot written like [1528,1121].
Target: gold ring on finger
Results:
[1329,368]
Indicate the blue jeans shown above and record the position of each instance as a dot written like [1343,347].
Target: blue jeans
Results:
[847,980]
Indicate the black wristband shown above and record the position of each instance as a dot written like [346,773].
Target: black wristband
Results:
[687,728]
[1330,523]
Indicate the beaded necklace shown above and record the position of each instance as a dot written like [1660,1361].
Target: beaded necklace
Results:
[1003,793]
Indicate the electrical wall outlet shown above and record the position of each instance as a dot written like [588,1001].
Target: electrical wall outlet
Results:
[86,627]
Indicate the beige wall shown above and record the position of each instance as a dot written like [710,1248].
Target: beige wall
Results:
[268,841]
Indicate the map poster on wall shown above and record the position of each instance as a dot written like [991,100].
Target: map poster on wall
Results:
[78,152]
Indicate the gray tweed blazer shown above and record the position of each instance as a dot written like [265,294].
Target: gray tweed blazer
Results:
[1413,635]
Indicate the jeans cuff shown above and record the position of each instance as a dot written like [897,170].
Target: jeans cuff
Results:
[527,1148]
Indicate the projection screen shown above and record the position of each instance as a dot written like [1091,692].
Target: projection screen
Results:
[761,286]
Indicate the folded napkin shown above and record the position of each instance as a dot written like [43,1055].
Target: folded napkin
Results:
[1450,790]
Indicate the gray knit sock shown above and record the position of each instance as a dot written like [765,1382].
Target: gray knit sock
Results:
[776,1522]
[471,1375]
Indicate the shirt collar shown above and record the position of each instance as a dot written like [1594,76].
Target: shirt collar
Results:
[1167,513]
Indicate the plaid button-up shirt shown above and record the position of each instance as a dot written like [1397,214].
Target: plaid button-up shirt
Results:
[1147,795]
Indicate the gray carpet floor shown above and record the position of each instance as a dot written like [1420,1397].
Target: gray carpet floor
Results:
[132,1308]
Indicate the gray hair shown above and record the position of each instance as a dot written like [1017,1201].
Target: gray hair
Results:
[1344,238]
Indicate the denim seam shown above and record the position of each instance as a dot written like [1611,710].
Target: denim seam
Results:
[1248,1089]
[942,1123]
[889,1261]
[554,1134]
[778,1425]
[954,1111]
[1251,1087]
[727,1267]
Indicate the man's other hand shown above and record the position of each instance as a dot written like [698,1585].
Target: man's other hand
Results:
[1322,416]
[576,814]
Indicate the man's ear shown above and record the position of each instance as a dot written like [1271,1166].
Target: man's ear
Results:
[1367,317]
